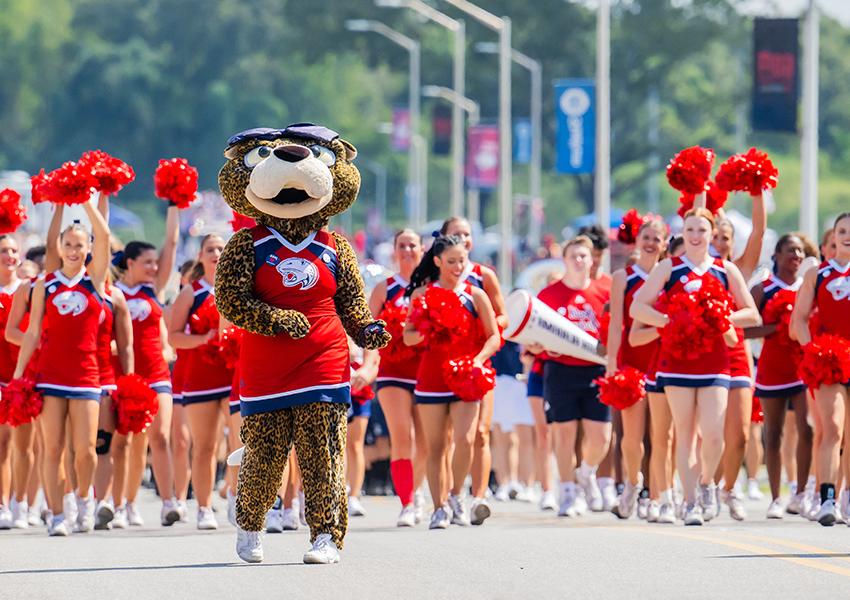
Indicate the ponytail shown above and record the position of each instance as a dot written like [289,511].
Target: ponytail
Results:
[427,271]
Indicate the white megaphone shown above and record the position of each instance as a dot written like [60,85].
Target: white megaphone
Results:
[530,321]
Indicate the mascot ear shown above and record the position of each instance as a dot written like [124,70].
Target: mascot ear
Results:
[350,150]
[230,152]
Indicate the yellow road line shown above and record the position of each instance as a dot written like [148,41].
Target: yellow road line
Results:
[795,545]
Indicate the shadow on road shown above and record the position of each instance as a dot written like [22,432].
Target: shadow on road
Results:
[800,555]
[148,568]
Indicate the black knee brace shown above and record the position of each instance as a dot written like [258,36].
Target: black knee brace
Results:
[104,441]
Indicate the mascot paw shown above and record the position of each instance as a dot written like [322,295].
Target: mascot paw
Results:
[294,323]
[374,336]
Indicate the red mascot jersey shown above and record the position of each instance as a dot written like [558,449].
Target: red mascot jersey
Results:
[67,366]
[146,313]
[776,375]
[278,372]
[582,307]
[207,376]
[8,350]
[832,298]
[638,357]
[395,374]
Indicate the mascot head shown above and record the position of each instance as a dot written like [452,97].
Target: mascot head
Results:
[293,179]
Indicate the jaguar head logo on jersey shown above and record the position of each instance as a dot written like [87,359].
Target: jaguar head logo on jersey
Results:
[694,285]
[139,308]
[839,288]
[298,272]
[70,303]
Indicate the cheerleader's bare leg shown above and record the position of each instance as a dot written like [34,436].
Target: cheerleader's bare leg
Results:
[435,418]
[84,415]
[830,405]
[661,456]
[465,417]
[5,464]
[23,437]
[482,459]
[158,435]
[711,410]
[736,434]
[53,420]
[682,402]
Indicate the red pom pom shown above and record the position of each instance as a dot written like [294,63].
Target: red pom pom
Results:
[696,320]
[826,361]
[206,318]
[20,403]
[241,222]
[110,173]
[623,389]
[12,214]
[750,172]
[777,312]
[230,342]
[176,180]
[629,228]
[136,404]
[71,183]
[441,318]
[396,352]
[467,381]
[715,199]
[757,416]
[41,188]
[690,169]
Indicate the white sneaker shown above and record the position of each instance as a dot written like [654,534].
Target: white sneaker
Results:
[480,511]
[231,508]
[289,520]
[667,514]
[736,506]
[568,501]
[643,508]
[628,499]
[525,494]
[69,507]
[249,545]
[775,510]
[580,503]
[653,511]
[5,517]
[707,503]
[814,508]
[459,516]
[85,515]
[355,508]
[323,552]
[104,515]
[119,521]
[274,521]
[183,511]
[826,514]
[795,505]
[134,517]
[753,491]
[20,515]
[407,517]
[693,514]
[206,519]
[58,527]
[34,516]
[548,501]
[839,516]
[609,493]
[502,494]
[419,506]
[440,518]
[586,477]
[169,514]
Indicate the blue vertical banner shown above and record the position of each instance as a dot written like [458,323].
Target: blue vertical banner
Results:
[522,141]
[575,112]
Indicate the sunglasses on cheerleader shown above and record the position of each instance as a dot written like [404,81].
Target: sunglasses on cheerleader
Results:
[304,131]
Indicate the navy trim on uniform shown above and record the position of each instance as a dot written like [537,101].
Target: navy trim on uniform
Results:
[419,399]
[357,409]
[326,394]
[692,381]
[234,407]
[390,382]
[740,383]
[205,396]
[782,392]
[71,393]
[161,387]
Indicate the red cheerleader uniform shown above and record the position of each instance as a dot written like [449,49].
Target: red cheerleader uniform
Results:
[8,351]
[68,365]
[776,375]
[391,374]
[207,376]
[233,398]
[431,388]
[474,275]
[712,368]
[278,372]
[638,357]
[105,334]
[178,374]
[832,298]
[146,313]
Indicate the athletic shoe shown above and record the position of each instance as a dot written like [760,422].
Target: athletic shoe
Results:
[643,509]
[775,510]
[440,518]
[513,489]
[249,545]
[548,501]
[844,502]
[323,552]
[814,508]
[85,515]
[289,520]
[753,491]
[302,506]
[586,477]
[104,515]
[795,505]
[231,508]
[525,494]
[666,514]
[183,511]
[57,527]
[20,513]
[407,517]
[581,502]
[707,502]
[480,511]
[69,507]
[274,521]
[169,514]
[609,493]
[206,519]
[355,508]
[826,514]
[120,519]
[568,501]
[628,500]
[34,516]
[693,514]
[459,516]
[419,506]
[5,517]
[502,494]
[840,519]
[652,512]
[134,517]
[736,506]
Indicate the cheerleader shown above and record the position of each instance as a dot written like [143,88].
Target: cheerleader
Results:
[828,290]
[67,306]
[777,384]
[359,413]
[626,283]
[571,396]
[395,383]
[697,390]
[445,265]
[144,277]
[484,278]
[207,379]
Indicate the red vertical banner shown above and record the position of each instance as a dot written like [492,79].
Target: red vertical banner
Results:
[401,130]
[482,158]
[441,120]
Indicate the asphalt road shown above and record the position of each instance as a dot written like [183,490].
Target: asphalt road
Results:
[519,553]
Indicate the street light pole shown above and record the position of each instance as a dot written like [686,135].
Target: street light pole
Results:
[809,138]
[602,196]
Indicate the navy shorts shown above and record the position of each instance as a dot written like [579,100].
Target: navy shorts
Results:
[570,394]
[387,382]
[535,385]
[356,409]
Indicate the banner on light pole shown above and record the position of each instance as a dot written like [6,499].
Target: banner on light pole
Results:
[575,113]
[522,141]
[482,157]
[776,51]
[400,138]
